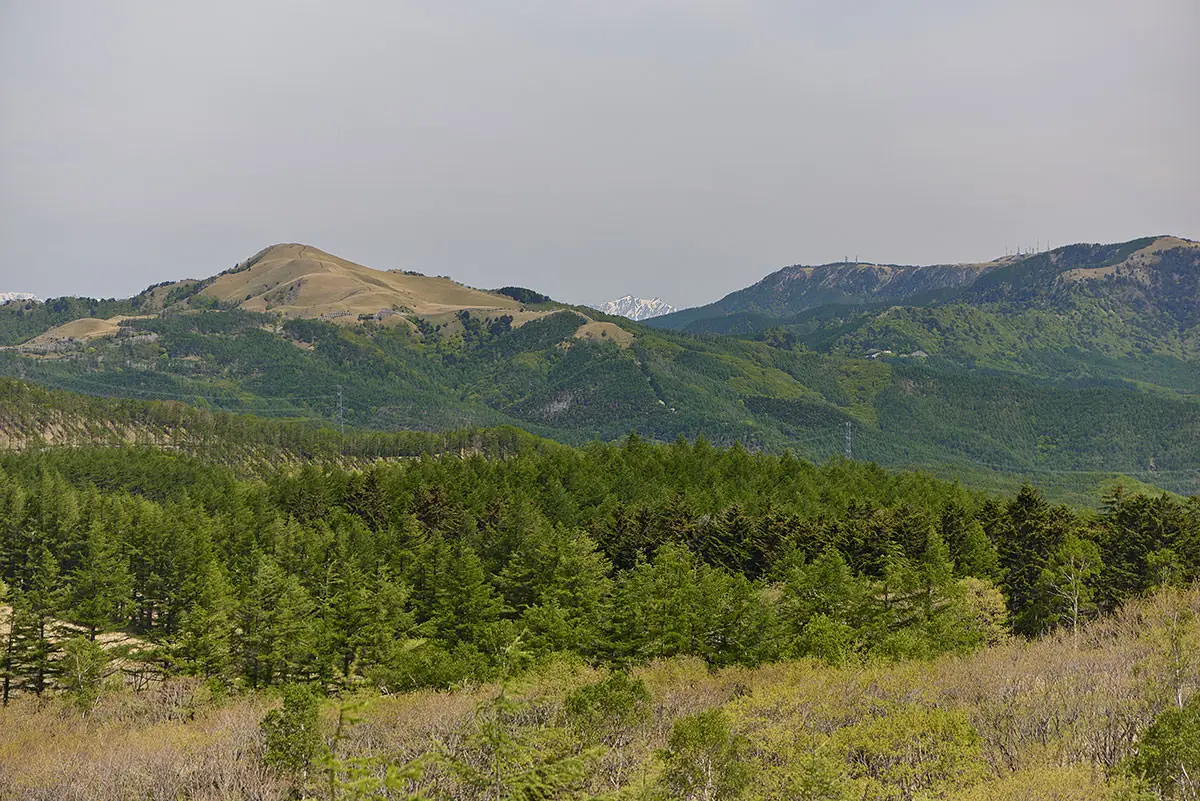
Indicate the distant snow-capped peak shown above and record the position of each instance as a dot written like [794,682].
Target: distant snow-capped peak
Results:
[6,297]
[637,308]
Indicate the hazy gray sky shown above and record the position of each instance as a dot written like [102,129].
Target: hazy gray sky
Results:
[681,148]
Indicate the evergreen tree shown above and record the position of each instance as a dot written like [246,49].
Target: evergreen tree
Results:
[13,526]
[365,614]
[456,602]
[558,583]
[656,612]
[279,635]
[31,652]
[101,586]
[292,734]
[1030,530]
[203,645]
[976,555]
[825,590]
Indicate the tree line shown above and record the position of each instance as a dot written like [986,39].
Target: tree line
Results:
[421,572]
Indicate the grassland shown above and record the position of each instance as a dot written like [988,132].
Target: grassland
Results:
[1057,719]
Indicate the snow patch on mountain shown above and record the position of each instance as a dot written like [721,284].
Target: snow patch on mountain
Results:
[636,308]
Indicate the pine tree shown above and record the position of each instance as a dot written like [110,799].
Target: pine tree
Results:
[1030,530]
[656,608]
[365,614]
[558,582]
[203,645]
[279,635]
[976,555]
[30,663]
[454,593]
[13,526]
[101,587]
[828,587]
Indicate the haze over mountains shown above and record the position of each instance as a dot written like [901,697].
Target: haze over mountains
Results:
[1077,364]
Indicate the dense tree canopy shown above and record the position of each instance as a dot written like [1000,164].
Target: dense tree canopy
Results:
[421,571]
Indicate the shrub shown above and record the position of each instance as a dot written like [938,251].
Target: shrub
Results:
[705,759]
[292,733]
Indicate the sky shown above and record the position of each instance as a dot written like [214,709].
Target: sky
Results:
[673,148]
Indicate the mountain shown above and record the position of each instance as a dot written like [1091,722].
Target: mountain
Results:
[1013,389]
[1152,271]
[634,308]
[8,297]
[799,288]
[296,280]
[1128,311]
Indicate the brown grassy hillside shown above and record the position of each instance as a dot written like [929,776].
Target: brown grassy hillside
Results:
[302,281]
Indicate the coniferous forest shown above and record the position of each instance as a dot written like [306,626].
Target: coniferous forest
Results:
[522,619]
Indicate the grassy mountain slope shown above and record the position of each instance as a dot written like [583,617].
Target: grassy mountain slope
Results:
[302,281]
[286,281]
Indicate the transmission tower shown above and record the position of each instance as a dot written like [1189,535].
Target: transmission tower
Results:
[849,441]
[341,416]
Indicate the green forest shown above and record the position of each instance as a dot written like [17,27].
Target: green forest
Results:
[615,553]
[563,594]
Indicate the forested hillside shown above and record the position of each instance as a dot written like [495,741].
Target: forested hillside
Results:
[33,418]
[767,394]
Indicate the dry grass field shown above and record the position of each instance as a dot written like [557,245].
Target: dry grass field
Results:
[299,280]
[84,328]
[604,332]
[1051,720]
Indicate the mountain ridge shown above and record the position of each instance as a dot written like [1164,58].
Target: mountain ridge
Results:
[298,281]
[635,308]
[796,289]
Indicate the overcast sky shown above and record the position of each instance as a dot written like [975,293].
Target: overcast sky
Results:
[681,148]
